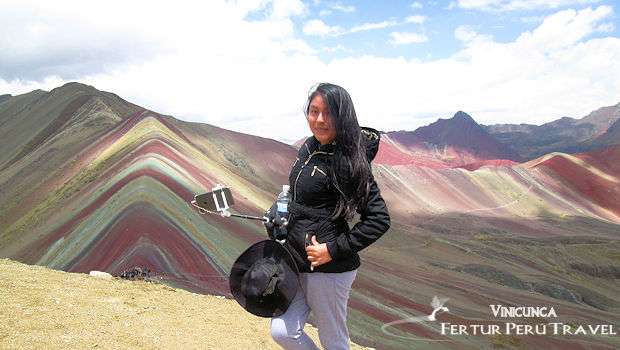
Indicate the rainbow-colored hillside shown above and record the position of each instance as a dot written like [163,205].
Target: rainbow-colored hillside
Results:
[89,181]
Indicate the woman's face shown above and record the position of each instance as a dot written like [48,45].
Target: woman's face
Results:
[320,121]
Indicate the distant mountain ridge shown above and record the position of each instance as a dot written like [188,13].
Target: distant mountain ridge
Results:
[562,135]
[460,132]
[4,97]
[609,138]
[459,141]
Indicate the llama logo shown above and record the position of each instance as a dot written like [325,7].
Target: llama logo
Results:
[438,306]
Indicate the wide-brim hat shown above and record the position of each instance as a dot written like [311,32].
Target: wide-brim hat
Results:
[264,279]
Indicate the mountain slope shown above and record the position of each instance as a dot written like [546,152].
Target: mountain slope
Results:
[142,175]
[602,118]
[609,138]
[48,309]
[32,119]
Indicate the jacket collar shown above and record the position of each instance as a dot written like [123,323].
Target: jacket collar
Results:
[314,145]
[372,140]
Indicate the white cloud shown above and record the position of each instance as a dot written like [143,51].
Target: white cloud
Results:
[400,38]
[66,38]
[467,34]
[606,27]
[332,49]
[512,5]
[343,8]
[212,64]
[336,6]
[287,8]
[372,26]
[319,28]
[419,19]
[532,19]
[38,39]
[565,28]
[416,5]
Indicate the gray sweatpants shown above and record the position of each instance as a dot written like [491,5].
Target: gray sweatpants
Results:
[326,295]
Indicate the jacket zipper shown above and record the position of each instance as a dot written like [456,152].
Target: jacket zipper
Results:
[319,169]
[302,168]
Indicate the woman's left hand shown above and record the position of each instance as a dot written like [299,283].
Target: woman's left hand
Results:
[318,253]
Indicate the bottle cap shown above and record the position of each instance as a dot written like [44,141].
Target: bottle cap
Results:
[285,188]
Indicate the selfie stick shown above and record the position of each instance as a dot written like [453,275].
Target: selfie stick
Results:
[217,201]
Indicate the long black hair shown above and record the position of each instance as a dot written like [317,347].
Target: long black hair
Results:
[350,172]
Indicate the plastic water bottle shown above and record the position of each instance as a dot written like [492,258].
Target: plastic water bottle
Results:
[282,204]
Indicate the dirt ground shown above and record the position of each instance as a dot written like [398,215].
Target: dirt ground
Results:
[41,308]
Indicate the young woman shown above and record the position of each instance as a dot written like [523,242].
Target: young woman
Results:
[330,180]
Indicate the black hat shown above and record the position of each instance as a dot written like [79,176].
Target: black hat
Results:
[264,280]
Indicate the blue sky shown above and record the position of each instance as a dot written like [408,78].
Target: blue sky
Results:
[247,65]
[438,21]
[438,26]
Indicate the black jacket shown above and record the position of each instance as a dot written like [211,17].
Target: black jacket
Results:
[313,200]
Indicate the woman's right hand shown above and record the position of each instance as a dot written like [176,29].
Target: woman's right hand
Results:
[274,220]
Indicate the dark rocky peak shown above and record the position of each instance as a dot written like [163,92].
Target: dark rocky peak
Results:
[462,116]
[73,87]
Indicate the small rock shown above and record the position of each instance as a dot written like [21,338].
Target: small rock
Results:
[101,274]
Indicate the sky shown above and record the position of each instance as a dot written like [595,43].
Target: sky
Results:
[248,65]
